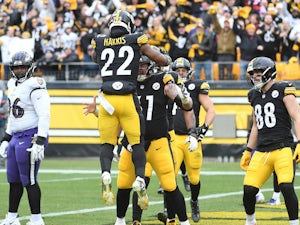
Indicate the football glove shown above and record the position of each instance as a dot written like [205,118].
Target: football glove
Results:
[202,131]
[37,152]
[3,149]
[183,94]
[297,153]
[192,139]
[245,160]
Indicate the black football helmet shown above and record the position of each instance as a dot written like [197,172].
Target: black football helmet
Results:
[121,19]
[268,68]
[143,72]
[183,63]
[22,59]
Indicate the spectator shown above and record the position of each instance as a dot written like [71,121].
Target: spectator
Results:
[6,41]
[68,55]
[44,63]
[69,38]
[200,47]
[46,9]
[269,33]
[90,70]
[97,10]
[226,47]
[286,44]
[157,33]
[177,43]
[250,44]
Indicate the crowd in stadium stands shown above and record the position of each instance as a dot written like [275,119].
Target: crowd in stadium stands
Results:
[225,32]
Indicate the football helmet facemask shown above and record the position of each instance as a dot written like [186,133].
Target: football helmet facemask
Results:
[266,66]
[121,19]
[144,65]
[21,60]
[183,63]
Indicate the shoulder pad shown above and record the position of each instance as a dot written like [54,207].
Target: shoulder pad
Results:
[168,78]
[142,39]
[36,82]
[205,86]
[289,88]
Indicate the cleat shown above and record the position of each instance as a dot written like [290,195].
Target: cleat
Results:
[40,222]
[251,223]
[120,222]
[162,216]
[107,195]
[139,187]
[195,210]
[10,221]
[274,202]
[171,222]
[260,198]
[136,222]
[186,182]
[160,190]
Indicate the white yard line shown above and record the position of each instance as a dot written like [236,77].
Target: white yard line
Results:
[108,208]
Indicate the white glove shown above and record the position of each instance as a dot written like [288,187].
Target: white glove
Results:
[183,94]
[3,149]
[193,143]
[37,152]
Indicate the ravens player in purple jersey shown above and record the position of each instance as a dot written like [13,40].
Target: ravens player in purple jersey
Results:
[274,108]
[25,137]
[155,88]
[118,57]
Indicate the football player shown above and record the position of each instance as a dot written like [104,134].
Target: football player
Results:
[155,88]
[274,108]
[199,91]
[118,57]
[26,136]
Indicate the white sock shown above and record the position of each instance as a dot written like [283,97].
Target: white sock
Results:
[276,195]
[12,215]
[294,222]
[35,217]
[250,218]
[259,192]
[185,222]
[122,220]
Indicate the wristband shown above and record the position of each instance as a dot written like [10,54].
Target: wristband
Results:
[7,137]
[40,140]
[249,149]
[96,112]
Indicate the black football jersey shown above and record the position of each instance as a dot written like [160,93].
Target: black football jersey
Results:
[118,60]
[194,87]
[171,104]
[272,118]
[154,104]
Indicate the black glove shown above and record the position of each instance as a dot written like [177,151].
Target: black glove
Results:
[202,131]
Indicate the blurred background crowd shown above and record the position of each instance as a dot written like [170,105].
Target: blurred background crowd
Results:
[218,37]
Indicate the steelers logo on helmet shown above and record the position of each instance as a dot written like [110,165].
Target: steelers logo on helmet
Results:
[121,19]
[117,85]
[267,68]
[21,66]
[183,63]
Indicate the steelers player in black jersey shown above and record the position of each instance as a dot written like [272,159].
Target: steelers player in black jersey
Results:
[118,57]
[274,108]
[199,91]
[155,88]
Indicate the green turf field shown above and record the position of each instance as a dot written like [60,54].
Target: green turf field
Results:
[71,195]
